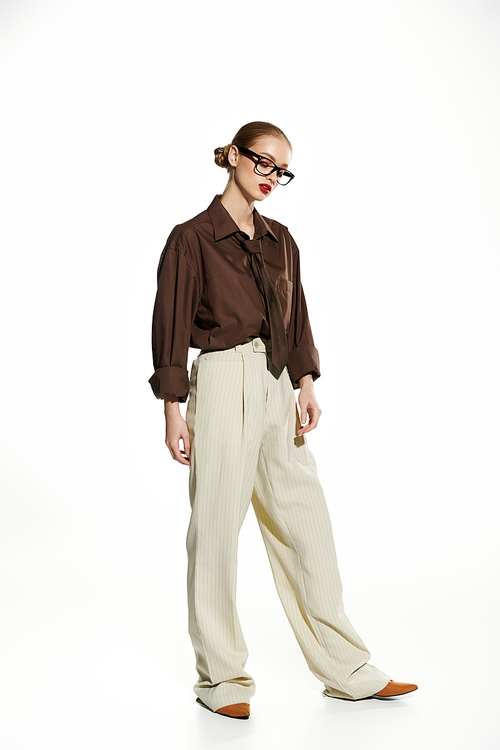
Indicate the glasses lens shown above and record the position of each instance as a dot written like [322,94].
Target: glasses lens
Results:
[264,167]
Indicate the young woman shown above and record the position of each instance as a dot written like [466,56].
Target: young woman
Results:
[229,284]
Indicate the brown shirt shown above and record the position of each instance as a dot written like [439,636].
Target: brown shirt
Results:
[208,298]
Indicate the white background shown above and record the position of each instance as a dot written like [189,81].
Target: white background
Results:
[110,115]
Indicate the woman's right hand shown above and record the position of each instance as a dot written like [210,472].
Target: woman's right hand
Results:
[176,430]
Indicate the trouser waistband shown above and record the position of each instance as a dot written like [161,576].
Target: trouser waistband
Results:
[252,343]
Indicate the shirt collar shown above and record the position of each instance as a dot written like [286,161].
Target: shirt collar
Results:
[224,224]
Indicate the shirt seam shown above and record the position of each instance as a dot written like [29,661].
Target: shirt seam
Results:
[182,252]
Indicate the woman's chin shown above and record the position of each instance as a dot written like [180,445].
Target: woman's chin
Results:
[260,196]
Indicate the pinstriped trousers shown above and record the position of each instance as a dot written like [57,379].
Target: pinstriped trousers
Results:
[242,423]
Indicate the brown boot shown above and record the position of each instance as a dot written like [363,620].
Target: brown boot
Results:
[396,688]
[234,711]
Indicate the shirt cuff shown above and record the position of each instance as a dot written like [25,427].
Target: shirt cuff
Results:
[170,381]
[301,361]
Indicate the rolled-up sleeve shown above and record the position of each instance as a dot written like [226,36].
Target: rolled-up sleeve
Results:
[174,311]
[303,357]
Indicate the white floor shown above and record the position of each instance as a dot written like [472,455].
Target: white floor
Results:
[92,659]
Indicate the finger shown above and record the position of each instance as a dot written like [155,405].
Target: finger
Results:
[314,419]
[186,458]
[314,415]
[176,454]
[304,425]
[180,456]
[309,427]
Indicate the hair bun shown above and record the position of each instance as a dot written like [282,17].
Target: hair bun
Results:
[221,156]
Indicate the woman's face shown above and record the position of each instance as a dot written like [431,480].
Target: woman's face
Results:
[254,186]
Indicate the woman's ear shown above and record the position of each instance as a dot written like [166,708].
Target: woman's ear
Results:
[233,156]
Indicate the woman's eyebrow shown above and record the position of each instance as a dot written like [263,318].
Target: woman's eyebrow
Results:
[273,159]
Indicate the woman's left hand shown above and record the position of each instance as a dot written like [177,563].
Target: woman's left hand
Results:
[308,407]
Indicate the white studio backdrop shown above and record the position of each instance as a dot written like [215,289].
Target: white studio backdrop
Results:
[110,115]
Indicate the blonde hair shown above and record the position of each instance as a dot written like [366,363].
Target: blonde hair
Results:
[246,137]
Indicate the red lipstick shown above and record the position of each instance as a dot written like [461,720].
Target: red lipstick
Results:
[266,189]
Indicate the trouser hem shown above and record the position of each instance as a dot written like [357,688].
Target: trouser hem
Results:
[224,694]
[363,683]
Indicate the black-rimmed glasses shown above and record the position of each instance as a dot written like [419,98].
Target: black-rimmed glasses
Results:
[266,166]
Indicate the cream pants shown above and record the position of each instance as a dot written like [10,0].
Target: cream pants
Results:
[242,423]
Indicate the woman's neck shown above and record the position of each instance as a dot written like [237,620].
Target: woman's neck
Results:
[239,208]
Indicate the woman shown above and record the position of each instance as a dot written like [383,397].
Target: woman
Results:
[229,284]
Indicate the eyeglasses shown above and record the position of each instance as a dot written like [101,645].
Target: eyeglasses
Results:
[266,166]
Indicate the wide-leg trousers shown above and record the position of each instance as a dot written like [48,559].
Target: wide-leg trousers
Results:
[242,422]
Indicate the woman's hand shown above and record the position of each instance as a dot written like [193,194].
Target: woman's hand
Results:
[176,430]
[308,406]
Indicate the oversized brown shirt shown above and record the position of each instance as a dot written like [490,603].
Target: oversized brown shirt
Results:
[208,298]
